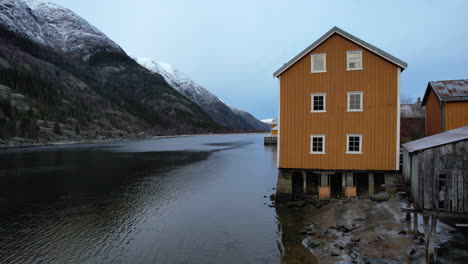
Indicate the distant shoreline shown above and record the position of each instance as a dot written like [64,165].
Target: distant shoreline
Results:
[95,141]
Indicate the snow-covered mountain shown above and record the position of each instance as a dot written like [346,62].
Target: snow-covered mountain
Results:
[211,104]
[53,44]
[69,72]
[55,26]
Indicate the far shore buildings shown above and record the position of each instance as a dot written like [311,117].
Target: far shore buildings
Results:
[339,115]
[272,139]
[446,105]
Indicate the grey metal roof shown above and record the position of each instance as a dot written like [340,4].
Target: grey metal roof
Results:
[403,65]
[448,91]
[437,140]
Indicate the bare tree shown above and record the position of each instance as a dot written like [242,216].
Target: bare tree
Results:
[407,100]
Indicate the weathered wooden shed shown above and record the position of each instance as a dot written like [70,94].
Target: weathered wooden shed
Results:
[436,168]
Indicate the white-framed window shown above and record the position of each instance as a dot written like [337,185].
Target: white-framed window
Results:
[354,60]
[355,102]
[318,102]
[317,144]
[353,143]
[319,63]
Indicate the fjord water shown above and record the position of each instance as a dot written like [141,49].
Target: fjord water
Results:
[193,199]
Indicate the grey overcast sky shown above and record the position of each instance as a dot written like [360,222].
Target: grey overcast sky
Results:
[233,47]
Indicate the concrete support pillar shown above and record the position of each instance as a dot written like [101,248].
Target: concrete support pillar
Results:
[343,183]
[284,187]
[371,184]
[304,178]
[390,182]
[349,179]
[324,180]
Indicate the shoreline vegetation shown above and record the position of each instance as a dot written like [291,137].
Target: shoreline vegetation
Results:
[20,143]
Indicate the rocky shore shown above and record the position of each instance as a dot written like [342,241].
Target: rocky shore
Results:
[356,231]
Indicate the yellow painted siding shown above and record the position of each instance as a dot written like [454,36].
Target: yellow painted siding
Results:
[456,115]
[274,132]
[433,115]
[377,123]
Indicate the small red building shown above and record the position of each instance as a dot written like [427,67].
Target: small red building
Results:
[412,120]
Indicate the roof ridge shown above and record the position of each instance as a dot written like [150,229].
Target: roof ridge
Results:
[348,36]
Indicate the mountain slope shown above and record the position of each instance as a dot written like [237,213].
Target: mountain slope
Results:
[66,71]
[56,27]
[211,104]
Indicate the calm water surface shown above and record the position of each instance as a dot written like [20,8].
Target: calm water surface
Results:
[173,200]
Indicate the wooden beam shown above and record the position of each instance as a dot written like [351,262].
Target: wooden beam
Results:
[443,214]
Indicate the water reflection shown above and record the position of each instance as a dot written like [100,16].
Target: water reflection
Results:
[201,201]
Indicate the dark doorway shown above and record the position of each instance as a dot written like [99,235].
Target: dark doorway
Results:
[297,185]
[336,185]
[312,183]
[362,183]
[379,182]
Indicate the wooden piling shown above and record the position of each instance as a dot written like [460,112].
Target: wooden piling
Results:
[427,232]
[415,222]
[431,245]
[408,214]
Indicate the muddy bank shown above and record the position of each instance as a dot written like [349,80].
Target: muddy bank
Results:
[359,231]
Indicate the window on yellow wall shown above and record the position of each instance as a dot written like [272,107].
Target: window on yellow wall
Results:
[355,102]
[318,102]
[317,144]
[354,144]
[354,60]
[319,63]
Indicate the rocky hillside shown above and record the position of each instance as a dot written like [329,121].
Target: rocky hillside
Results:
[211,104]
[63,79]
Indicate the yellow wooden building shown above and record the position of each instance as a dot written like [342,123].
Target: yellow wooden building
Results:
[446,105]
[339,113]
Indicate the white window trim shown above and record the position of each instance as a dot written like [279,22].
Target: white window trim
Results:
[312,62]
[324,144]
[347,60]
[347,143]
[312,102]
[361,94]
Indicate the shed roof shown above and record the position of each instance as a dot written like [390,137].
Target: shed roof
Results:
[275,127]
[412,111]
[448,91]
[336,30]
[450,136]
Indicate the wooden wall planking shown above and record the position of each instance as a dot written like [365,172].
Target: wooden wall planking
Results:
[433,115]
[378,121]
[456,115]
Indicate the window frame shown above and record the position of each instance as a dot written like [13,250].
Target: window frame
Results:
[347,143]
[312,95]
[323,137]
[312,62]
[361,99]
[347,60]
